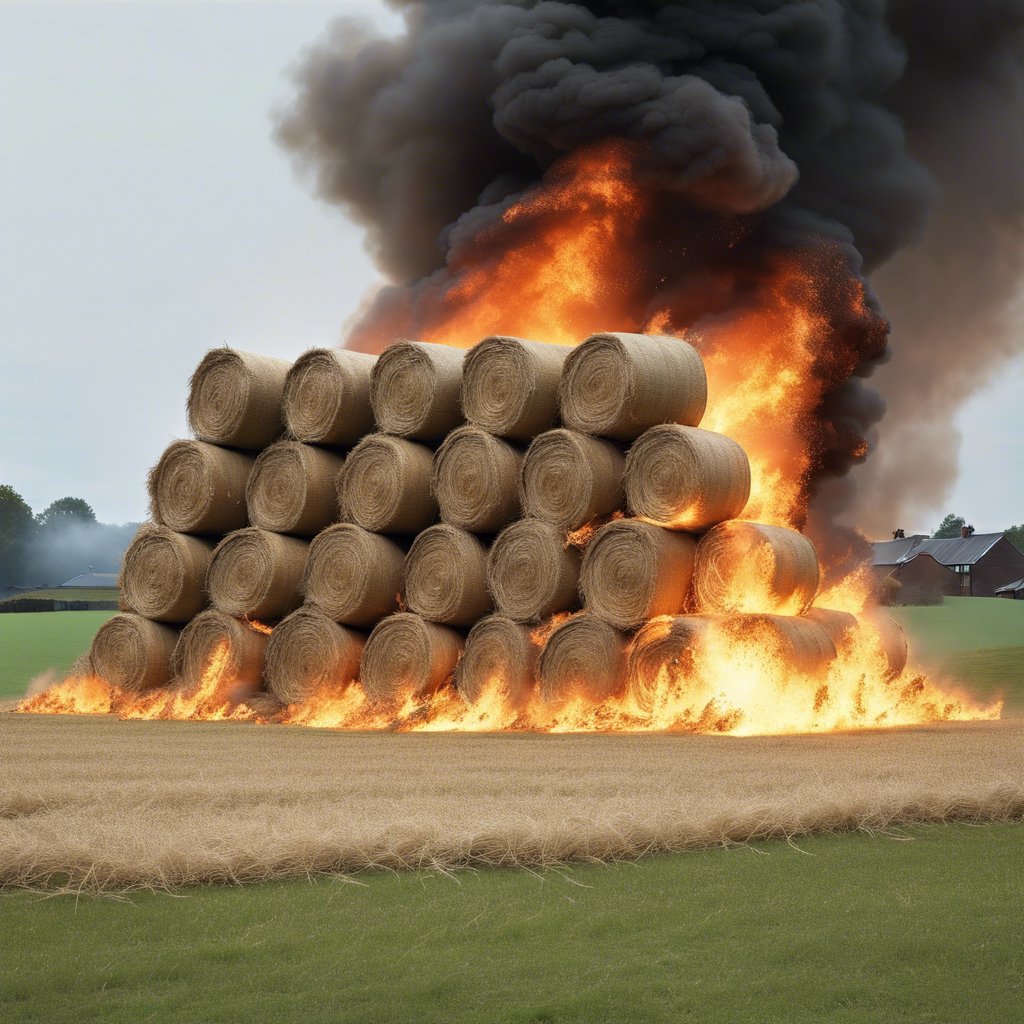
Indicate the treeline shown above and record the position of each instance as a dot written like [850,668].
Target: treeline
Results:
[950,527]
[49,547]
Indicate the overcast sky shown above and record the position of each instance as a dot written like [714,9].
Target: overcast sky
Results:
[146,215]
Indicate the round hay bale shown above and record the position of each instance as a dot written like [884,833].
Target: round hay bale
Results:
[327,396]
[234,398]
[294,489]
[499,657]
[633,571]
[510,386]
[406,655]
[838,625]
[685,478]
[531,572]
[476,480]
[749,567]
[204,636]
[618,385]
[353,576]
[414,390]
[163,574]
[800,643]
[200,488]
[385,485]
[446,577]
[584,659]
[255,574]
[133,653]
[844,629]
[663,653]
[308,653]
[569,478]
[893,642]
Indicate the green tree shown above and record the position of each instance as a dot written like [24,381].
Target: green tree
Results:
[1015,535]
[65,511]
[16,529]
[950,526]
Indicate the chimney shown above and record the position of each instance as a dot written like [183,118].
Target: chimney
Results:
[965,532]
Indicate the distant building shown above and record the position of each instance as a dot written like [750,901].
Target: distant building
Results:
[1013,590]
[93,580]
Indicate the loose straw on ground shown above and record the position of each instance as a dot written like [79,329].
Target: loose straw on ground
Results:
[414,389]
[531,572]
[255,574]
[133,653]
[569,478]
[308,654]
[163,574]
[584,659]
[445,576]
[385,485]
[476,480]
[294,489]
[750,567]
[327,397]
[353,576]
[510,386]
[200,488]
[408,656]
[685,478]
[499,660]
[663,655]
[618,385]
[799,643]
[633,571]
[235,398]
[205,636]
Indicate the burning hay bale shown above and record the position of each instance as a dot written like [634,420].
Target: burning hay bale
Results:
[510,386]
[414,390]
[256,574]
[476,480]
[327,397]
[293,489]
[844,628]
[446,576]
[569,478]
[353,576]
[198,487]
[212,635]
[500,658]
[633,571]
[664,653]
[618,385]
[583,659]
[235,398]
[163,574]
[386,485]
[309,653]
[133,653]
[531,572]
[796,642]
[750,567]
[685,478]
[408,656]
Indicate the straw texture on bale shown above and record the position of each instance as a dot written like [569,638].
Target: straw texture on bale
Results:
[256,574]
[309,653]
[234,398]
[663,654]
[385,485]
[294,489]
[327,396]
[200,488]
[414,390]
[510,386]
[584,659]
[802,644]
[531,572]
[163,574]
[618,385]
[446,576]
[406,655]
[893,642]
[686,478]
[841,626]
[569,478]
[205,635]
[476,480]
[837,624]
[133,653]
[353,576]
[750,567]
[633,571]
[499,658]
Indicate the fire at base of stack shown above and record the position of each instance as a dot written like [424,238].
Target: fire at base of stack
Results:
[527,536]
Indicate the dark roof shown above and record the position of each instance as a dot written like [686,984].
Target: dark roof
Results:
[951,551]
[1011,588]
[93,579]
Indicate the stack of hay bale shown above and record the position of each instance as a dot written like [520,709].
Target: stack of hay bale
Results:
[514,516]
